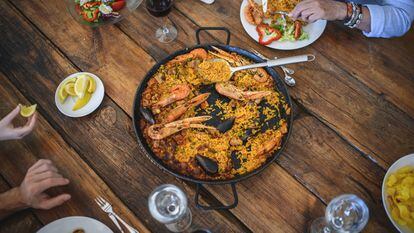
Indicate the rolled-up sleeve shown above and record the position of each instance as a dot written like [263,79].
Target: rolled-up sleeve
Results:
[392,19]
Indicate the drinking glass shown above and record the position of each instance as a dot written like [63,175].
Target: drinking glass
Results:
[160,8]
[168,205]
[345,214]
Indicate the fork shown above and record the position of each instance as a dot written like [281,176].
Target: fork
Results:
[289,80]
[107,208]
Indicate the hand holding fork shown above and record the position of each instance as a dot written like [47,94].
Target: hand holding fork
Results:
[107,208]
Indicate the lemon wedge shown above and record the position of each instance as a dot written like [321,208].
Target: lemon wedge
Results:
[70,89]
[80,102]
[81,85]
[92,85]
[27,111]
[62,95]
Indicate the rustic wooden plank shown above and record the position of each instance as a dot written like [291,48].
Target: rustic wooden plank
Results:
[384,65]
[24,221]
[107,52]
[45,142]
[105,139]
[364,118]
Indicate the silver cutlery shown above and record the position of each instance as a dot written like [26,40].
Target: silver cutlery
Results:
[289,80]
[107,208]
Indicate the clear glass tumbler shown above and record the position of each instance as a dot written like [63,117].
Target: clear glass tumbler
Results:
[344,214]
[168,205]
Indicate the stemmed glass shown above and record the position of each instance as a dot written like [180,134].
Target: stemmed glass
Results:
[345,214]
[168,205]
[160,8]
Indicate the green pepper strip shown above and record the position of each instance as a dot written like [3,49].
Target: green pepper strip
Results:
[94,16]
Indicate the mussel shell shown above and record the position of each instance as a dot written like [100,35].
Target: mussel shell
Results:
[226,125]
[147,114]
[236,161]
[209,165]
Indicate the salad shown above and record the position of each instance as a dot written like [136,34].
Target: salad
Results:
[273,26]
[96,11]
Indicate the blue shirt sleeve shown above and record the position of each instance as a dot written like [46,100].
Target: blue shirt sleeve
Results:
[391,19]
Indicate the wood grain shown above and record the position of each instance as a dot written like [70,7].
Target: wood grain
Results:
[363,117]
[106,51]
[105,139]
[384,65]
[46,143]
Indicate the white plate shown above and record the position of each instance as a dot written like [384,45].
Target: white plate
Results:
[92,105]
[69,224]
[315,30]
[407,160]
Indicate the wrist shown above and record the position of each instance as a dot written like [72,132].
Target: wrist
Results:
[342,11]
[12,200]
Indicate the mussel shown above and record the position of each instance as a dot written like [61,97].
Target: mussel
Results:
[147,114]
[226,125]
[235,160]
[209,165]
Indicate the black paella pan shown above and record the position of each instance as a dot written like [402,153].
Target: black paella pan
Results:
[280,86]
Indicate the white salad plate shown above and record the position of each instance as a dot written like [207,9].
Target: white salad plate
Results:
[70,224]
[92,105]
[407,160]
[314,30]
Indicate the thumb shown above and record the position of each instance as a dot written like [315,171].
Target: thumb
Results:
[7,119]
[54,201]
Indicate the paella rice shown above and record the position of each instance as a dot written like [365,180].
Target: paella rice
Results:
[237,135]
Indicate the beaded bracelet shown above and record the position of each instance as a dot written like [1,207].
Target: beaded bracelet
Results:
[356,15]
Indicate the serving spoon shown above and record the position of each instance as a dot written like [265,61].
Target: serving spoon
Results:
[268,63]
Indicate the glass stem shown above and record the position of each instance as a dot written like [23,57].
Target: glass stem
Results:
[164,27]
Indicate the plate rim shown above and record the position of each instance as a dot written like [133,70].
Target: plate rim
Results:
[277,47]
[383,195]
[74,217]
[92,109]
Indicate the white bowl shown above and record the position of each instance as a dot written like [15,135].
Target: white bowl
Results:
[407,160]
[92,105]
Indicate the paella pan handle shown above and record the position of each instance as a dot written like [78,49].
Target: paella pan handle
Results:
[219,207]
[213,29]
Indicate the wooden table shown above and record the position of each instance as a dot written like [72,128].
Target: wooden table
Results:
[354,116]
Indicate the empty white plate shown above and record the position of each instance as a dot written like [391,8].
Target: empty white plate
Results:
[70,224]
[92,105]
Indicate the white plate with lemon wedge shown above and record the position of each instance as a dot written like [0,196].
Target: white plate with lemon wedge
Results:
[79,94]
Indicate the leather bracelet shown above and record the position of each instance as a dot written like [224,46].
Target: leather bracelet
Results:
[356,16]
[348,11]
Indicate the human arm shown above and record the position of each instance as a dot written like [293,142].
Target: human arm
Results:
[391,19]
[9,132]
[31,193]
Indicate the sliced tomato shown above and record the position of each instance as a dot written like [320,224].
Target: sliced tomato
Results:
[118,5]
[298,30]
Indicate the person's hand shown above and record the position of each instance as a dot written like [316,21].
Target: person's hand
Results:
[8,131]
[312,10]
[41,176]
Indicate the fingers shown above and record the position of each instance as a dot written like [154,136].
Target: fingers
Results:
[46,175]
[27,128]
[314,17]
[302,6]
[52,182]
[306,14]
[8,119]
[54,201]
[38,164]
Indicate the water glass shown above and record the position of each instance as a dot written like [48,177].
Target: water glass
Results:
[345,214]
